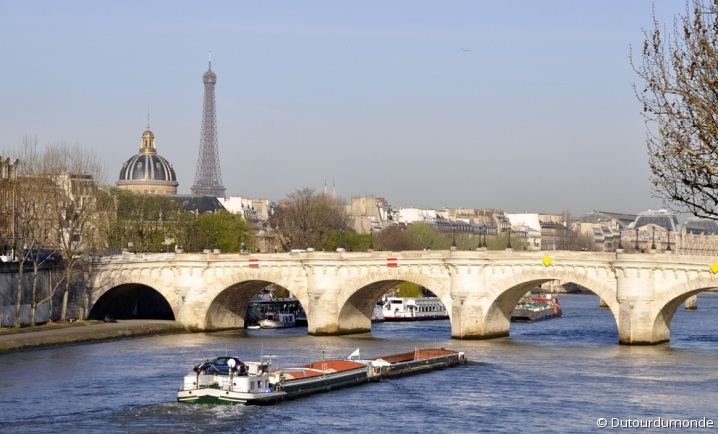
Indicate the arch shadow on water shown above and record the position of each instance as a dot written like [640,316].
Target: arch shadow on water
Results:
[698,328]
[132,301]
[583,323]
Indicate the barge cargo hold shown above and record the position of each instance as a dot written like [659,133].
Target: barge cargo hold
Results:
[417,362]
[258,385]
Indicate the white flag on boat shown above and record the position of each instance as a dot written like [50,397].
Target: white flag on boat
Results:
[354,354]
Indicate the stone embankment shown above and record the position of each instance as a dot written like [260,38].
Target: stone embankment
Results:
[84,332]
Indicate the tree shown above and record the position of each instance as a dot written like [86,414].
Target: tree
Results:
[41,248]
[427,237]
[396,239]
[680,105]
[76,172]
[26,214]
[307,219]
[409,289]
[578,241]
[142,219]
[227,230]
[55,206]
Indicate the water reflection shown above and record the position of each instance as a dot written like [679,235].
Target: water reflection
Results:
[556,375]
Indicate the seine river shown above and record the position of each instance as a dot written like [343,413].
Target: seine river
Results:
[559,375]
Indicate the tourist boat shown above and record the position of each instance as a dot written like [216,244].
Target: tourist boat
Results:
[277,320]
[413,308]
[255,383]
[301,318]
[540,307]
[266,301]
[378,314]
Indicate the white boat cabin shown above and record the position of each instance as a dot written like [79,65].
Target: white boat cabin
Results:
[413,308]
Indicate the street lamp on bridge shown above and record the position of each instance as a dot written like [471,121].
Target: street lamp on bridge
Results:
[653,243]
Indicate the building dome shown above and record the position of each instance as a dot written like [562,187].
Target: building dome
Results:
[148,172]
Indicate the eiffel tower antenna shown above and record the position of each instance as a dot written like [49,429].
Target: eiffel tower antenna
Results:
[208,178]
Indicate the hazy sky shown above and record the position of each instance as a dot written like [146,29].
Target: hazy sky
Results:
[539,114]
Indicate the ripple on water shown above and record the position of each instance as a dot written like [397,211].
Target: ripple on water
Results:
[552,376]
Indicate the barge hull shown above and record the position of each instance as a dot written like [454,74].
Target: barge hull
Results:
[299,390]
[224,397]
[414,318]
[419,362]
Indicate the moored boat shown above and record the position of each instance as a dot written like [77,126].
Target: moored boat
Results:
[413,309]
[301,318]
[267,302]
[277,320]
[378,314]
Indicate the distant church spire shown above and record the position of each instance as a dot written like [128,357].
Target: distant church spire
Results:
[334,191]
[325,188]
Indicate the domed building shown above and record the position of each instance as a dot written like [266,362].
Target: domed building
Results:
[147,172]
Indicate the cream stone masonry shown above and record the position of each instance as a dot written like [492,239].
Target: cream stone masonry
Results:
[479,288]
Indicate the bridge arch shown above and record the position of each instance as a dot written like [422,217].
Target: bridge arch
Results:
[120,297]
[488,314]
[359,295]
[665,305]
[230,296]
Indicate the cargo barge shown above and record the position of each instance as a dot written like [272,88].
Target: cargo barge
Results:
[255,383]
[541,307]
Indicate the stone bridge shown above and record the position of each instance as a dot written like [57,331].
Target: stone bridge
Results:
[338,290]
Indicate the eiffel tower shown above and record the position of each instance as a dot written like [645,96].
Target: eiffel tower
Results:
[208,179]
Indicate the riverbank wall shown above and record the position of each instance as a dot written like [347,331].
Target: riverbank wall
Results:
[85,332]
[47,280]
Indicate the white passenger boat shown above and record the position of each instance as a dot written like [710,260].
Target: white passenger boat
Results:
[277,320]
[378,314]
[413,309]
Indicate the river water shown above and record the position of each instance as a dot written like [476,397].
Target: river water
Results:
[559,375]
